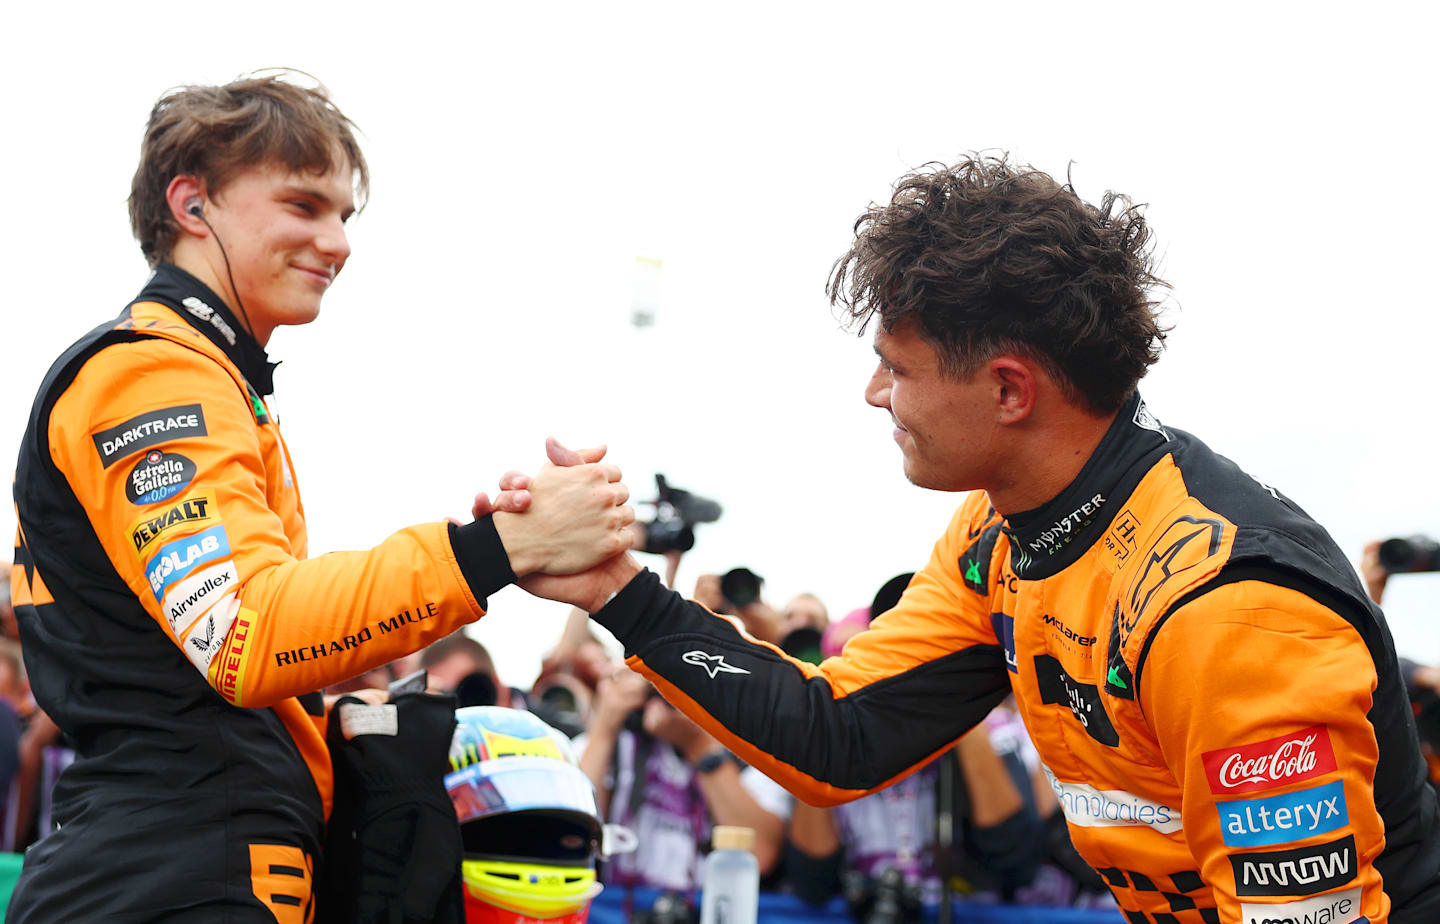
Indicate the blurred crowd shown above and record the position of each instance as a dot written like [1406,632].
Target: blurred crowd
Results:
[979,822]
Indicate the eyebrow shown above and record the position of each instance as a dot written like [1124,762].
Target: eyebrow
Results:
[314,193]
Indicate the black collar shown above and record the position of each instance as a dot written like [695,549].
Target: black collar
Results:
[1050,538]
[200,307]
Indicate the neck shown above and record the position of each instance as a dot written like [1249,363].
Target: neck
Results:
[1047,457]
[198,263]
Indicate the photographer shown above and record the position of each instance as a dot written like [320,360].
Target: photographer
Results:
[661,775]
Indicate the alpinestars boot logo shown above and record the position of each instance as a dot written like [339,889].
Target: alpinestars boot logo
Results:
[713,664]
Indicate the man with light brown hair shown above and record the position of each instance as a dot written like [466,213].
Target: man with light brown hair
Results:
[173,624]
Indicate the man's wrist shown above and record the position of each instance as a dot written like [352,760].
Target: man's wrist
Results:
[710,760]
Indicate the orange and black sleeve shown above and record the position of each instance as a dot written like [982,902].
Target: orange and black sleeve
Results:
[903,690]
[188,524]
[1262,699]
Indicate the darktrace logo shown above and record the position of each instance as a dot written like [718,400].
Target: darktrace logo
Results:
[157,477]
[1303,871]
[148,429]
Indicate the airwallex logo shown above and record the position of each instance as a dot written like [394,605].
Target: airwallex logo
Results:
[1088,807]
[1293,816]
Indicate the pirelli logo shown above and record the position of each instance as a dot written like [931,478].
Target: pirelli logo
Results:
[230,666]
[195,510]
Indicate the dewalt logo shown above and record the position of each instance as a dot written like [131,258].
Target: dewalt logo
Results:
[197,509]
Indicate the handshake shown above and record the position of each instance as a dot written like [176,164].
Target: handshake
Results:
[567,530]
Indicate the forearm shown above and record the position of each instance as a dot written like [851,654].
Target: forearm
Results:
[730,804]
[812,831]
[827,736]
[993,794]
[596,760]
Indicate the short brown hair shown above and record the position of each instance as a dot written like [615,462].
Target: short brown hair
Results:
[216,132]
[989,257]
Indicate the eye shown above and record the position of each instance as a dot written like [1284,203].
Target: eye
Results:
[306,207]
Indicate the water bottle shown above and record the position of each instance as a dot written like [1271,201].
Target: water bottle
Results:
[732,878]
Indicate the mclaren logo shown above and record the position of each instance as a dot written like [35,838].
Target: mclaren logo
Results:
[713,664]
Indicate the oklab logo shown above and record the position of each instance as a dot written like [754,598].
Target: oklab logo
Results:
[180,557]
[1291,817]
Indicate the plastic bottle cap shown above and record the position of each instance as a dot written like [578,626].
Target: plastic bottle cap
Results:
[730,837]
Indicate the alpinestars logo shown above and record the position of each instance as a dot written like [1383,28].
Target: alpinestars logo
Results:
[713,664]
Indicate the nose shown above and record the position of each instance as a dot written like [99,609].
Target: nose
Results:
[333,243]
[877,391]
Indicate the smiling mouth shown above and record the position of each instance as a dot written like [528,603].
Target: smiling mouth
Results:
[326,276]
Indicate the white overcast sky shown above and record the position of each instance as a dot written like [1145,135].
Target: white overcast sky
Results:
[524,154]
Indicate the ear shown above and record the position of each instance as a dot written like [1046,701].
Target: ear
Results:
[1015,388]
[183,192]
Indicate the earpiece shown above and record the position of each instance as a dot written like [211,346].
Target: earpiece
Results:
[193,207]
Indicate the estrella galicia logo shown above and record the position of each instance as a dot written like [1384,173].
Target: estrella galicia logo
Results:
[1293,816]
[713,664]
[1303,871]
[147,429]
[157,477]
[179,558]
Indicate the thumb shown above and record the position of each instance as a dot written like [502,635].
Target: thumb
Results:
[559,455]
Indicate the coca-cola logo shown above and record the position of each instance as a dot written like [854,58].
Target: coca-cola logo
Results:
[1267,764]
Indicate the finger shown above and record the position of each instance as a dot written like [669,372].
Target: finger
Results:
[622,494]
[454,522]
[514,481]
[611,472]
[627,515]
[559,455]
[482,506]
[634,536]
[513,501]
[592,455]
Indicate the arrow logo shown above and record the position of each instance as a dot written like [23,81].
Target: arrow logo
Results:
[713,664]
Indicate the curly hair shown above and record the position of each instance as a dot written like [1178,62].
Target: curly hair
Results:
[216,132]
[989,258]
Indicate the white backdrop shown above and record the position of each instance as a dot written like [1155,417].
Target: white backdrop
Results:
[523,155]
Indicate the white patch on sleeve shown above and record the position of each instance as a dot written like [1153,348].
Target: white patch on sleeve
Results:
[187,600]
[207,635]
[361,719]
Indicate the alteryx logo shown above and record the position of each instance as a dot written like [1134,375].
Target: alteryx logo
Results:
[180,557]
[1293,816]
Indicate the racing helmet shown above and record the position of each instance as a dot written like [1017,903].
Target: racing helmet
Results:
[528,819]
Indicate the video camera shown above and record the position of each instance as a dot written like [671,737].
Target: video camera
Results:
[1410,554]
[676,514]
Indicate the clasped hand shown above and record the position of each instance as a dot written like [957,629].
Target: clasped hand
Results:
[566,529]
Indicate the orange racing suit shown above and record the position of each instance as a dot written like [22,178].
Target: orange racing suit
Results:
[174,628]
[1216,701]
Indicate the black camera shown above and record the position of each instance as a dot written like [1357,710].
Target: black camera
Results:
[669,908]
[886,900]
[676,514]
[1410,553]
[740,587]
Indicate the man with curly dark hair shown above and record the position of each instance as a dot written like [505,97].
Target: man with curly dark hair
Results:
[1215,699]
